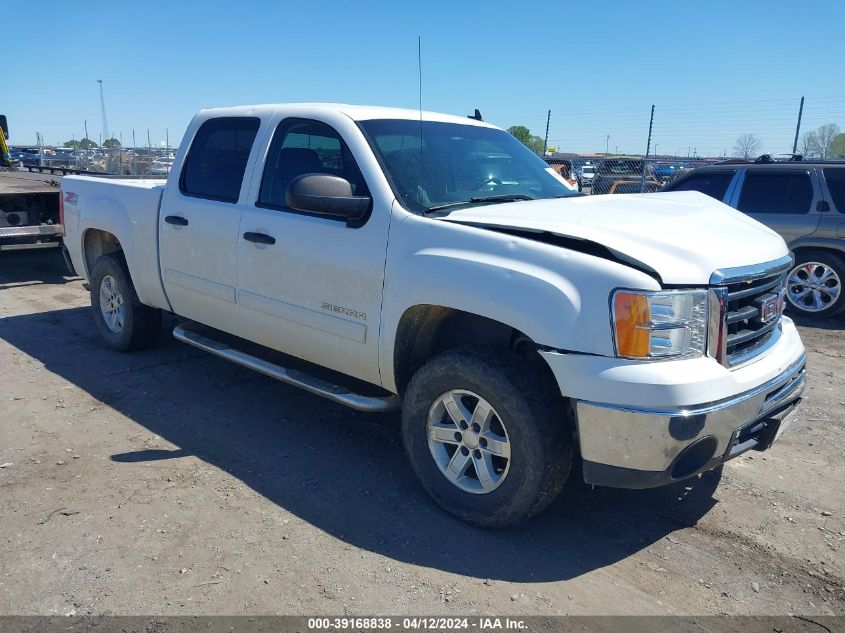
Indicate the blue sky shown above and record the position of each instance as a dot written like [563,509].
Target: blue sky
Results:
[713,69]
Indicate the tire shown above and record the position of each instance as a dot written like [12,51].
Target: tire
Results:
[138,325]
[527,408]
[827,299]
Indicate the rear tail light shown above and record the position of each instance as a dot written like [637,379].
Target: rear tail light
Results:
[62,211]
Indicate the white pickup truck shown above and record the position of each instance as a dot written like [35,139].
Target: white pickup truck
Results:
[438,261]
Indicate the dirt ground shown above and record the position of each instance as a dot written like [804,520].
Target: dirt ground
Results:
[172,482]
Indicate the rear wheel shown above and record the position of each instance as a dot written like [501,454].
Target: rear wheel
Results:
[123,321]
[487,435]
[814,285]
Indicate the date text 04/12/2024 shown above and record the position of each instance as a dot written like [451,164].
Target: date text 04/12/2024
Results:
[416,623]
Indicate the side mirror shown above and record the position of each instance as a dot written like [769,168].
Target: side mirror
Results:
[329,195]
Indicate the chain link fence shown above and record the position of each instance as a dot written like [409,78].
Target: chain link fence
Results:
[620,174]
[124,161]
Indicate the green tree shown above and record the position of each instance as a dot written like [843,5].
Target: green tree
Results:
[111,142]
[520,133]
[87,143]
[523,134]
[825,135]
[837,147]
[73,144]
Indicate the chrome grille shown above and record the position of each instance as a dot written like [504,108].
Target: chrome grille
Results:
[747,297]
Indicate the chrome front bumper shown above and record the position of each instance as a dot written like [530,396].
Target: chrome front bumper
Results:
[631,447]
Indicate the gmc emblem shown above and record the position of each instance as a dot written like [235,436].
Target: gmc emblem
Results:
[770,307]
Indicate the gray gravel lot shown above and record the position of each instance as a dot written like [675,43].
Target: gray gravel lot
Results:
[171,482]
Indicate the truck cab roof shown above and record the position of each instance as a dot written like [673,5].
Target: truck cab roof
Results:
[354,112]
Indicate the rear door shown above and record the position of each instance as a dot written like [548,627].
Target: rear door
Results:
[199,221]
[786,200]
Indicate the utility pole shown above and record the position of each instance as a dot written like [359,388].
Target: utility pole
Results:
[607,145]
[798,127]
[103,111]
[133,139]
[86,133]
[647,149]
[149,145]
[167,135]
[546,138]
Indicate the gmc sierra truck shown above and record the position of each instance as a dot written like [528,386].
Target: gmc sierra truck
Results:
[435,265]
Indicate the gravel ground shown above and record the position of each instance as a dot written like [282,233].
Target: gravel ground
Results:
[171,482]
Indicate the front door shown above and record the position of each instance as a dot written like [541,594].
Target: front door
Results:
[313,286]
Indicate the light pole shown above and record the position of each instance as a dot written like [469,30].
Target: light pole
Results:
[607,145]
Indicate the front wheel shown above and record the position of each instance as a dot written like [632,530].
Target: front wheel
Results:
[814,285]
[487,435]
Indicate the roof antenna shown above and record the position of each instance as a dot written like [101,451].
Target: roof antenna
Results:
[475,115]
[419,71]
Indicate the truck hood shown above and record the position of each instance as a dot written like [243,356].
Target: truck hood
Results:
[681,236]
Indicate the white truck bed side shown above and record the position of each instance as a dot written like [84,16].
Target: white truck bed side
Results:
[126,208]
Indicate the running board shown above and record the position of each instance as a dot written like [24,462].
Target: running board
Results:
[335,393]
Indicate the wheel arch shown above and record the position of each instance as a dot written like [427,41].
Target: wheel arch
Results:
[833,245]
[426,330]
[95,244]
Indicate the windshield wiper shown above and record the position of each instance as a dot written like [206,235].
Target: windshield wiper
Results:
[504,198]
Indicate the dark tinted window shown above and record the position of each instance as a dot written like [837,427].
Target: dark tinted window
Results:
[713,183]
[306,147]
[835,179]
[776,192]
[217,159]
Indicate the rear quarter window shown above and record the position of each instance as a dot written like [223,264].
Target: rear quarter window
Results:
[713,183]
[215,165]
[835,179]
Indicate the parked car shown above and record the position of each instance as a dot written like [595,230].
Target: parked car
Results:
[161,167]
[626,173]
[585,175]
[663,172]
[514,321]
[805,203]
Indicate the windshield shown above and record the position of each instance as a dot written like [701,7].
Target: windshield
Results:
[434,165]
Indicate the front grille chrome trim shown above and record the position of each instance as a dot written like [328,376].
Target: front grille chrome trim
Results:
[742,335]
[752,273]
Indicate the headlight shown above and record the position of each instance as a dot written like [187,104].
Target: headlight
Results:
[654,325]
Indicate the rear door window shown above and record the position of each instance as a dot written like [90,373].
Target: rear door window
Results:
[776,192]
[835,179]
[713,183]
[216,162]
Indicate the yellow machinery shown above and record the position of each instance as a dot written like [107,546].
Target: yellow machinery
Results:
[5,154]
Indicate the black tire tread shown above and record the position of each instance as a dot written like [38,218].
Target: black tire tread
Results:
[517,377]
[144,323]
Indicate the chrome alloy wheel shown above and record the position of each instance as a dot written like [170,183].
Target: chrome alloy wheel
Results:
[468,441]
[111,304]
[813,286]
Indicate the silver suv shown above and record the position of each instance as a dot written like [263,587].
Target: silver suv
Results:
[804,201]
